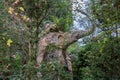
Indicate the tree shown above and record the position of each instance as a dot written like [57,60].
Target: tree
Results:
[102,52]
[48,22]
[107,14]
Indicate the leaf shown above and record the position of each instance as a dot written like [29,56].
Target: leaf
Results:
[25,18]
[101,49]
[105,40]
[9,41]
[10,10]
[22,9]
[16,13]
[3,38]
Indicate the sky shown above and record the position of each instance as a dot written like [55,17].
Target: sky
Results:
[79,19]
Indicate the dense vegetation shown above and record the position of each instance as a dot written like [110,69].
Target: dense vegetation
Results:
[22,23]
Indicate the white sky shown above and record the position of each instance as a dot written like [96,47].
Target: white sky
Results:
[78,16]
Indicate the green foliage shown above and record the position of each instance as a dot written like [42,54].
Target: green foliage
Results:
[18,37]
[106,12]
[57,11]
[51,48]
[53,70]
[99,60]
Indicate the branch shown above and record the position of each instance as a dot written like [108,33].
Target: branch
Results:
[75,35]
[84,13]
